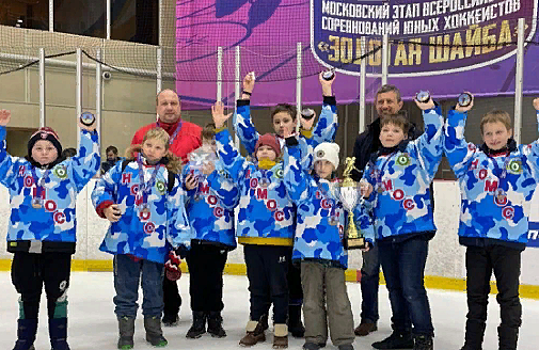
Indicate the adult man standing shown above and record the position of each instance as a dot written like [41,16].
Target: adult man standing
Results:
[112,159]
[388,101]
[184,138]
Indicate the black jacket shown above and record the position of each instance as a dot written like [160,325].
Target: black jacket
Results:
[368,142]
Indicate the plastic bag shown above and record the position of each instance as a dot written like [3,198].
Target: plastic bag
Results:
[202,155]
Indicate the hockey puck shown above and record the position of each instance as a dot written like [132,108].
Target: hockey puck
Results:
[422,96]
[328,75]
[465,99]
[87,118]
[307,114]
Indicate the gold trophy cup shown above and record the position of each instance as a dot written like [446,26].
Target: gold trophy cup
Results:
[349,194]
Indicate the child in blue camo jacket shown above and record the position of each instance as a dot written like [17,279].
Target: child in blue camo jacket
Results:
[318,246]
[497,181]
[399,176]
[284,119]
[211,199]
[43,188]
[145,202]
[266,217]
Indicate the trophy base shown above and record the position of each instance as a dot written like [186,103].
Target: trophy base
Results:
[354,243]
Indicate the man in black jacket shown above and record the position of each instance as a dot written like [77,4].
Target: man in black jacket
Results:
[388,101]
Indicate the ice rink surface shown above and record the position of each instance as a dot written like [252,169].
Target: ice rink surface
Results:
[92,323]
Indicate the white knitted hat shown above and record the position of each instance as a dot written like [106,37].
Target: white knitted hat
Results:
[327,151]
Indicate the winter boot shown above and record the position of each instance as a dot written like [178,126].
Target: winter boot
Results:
[423,342]
[170,320]
[507,338]
[215,324]
[126,327]
[346,347]
[295,326]
[280,336]
[265,322]
[311,346]
[475,332]
[26,334]
[365,328]
[199,325]
[58,333]
[255,333]
[154,334]
[397,340]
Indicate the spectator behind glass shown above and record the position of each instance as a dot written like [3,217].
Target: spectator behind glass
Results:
[112,159]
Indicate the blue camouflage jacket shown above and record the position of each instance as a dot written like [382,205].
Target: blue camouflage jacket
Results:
[148,235]
[496,191]
[324,130]
[321,218]
[53,226]
[210,207]
[401,179]
[266,214]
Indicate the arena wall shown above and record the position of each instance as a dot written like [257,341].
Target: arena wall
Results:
[445,264]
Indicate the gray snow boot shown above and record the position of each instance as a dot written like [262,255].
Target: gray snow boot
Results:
[154,334]
[126,326]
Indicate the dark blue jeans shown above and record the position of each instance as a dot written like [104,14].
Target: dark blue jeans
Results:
[370,281]
[403,264]
[127,275]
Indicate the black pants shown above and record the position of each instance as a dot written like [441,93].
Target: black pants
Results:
[505,263]
[295,291]
[267,268]
[29,272]
[171,297]
[206,264]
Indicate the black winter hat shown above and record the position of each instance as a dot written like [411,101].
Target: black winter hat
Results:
[47,134]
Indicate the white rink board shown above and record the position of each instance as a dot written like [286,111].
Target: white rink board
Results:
[446,256]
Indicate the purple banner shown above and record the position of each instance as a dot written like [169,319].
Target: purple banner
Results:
[268,31]
[462,29]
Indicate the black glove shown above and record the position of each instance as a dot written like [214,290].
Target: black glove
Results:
[182,252]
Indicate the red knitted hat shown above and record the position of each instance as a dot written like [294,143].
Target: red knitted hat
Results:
[269,140]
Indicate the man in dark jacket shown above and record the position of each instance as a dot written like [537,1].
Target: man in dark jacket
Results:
[112,159]
[388,101]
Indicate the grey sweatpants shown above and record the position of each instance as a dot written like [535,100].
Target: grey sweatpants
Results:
[321,283]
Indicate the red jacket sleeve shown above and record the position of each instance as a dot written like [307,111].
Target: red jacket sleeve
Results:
[101,208]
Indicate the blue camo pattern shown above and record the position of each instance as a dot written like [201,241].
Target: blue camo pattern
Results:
[324,131]
[484,214]
[263,212]
[321,219]
[404,206]
[56,220]
[147,236]
[210,207]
